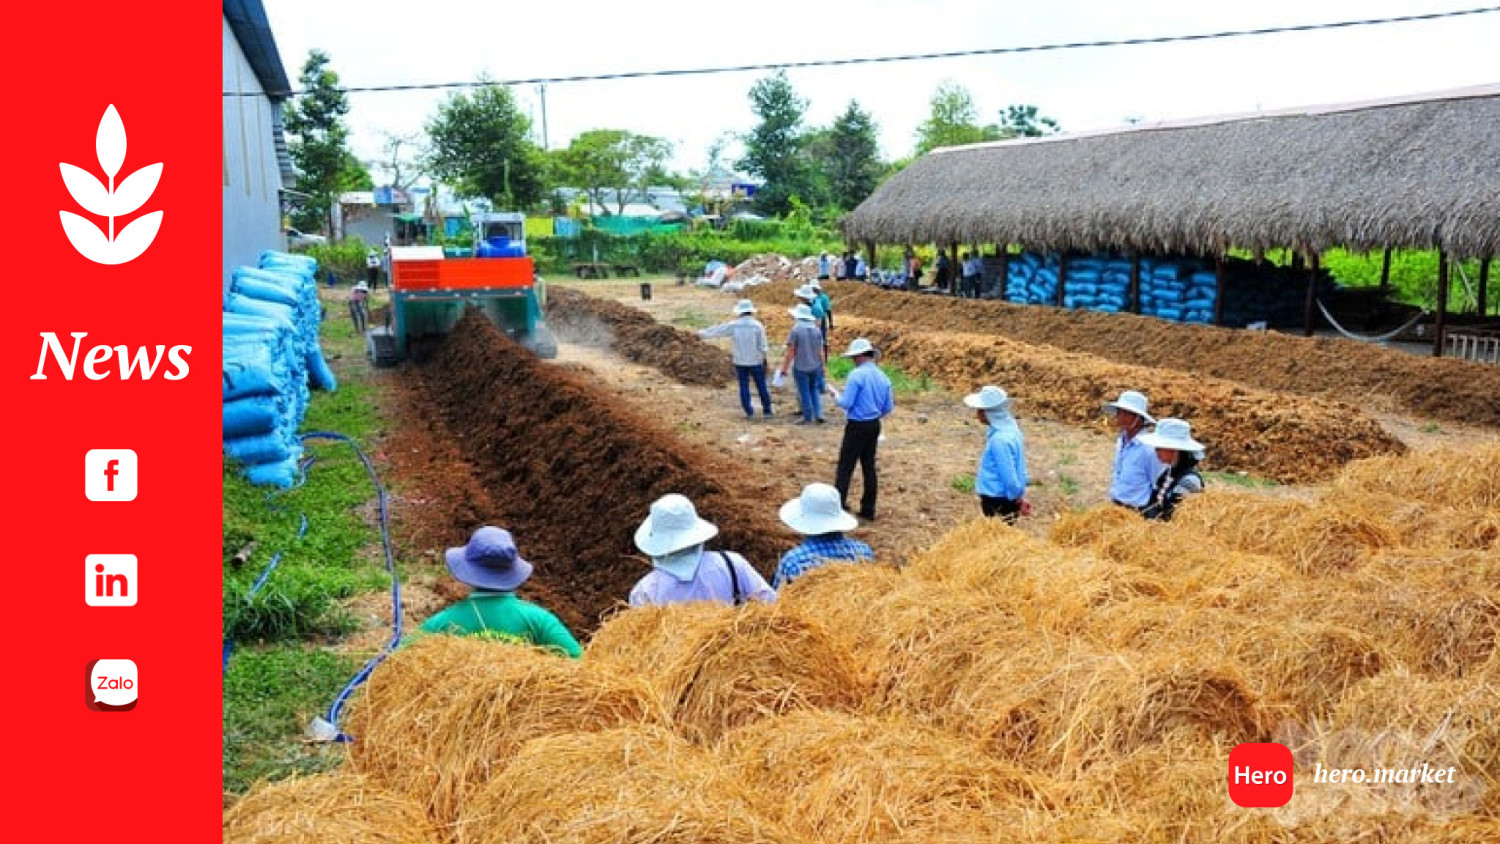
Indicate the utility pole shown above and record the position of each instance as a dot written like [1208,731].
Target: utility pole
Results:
[542,92]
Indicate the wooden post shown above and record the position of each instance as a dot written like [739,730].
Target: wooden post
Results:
[872,263]
[1135,282]
[1312,280]
[1385,272]
[1004,270]
[1219,290]
[1439,325]
[1062,276]
[1484,283]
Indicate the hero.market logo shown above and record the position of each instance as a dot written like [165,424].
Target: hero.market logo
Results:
[111,201]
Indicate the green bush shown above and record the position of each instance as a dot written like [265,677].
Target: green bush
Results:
[674,251]
[347,258]
[1413,274]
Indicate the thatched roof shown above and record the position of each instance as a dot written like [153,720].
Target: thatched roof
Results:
[1416,173]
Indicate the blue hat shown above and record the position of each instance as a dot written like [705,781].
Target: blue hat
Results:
[490,561]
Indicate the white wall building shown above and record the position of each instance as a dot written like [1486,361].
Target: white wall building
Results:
[257,166]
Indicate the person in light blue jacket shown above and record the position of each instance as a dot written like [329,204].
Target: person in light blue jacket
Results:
[1001,479]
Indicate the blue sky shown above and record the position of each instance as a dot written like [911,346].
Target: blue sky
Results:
[378,43]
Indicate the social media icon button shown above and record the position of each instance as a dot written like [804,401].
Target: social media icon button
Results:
[113,685]
[109,474]
[110,580]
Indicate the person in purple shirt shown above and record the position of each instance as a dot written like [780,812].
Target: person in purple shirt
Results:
[682,569]
[1136,467]
[866,399]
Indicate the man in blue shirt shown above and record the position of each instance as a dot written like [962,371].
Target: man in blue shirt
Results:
[817,515]
[1001,479]
[1136,466]
[866,399]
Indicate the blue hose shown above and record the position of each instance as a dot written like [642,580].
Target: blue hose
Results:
[336,708]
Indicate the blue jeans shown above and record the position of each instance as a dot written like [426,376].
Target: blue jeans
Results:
[758,373]
[809,392]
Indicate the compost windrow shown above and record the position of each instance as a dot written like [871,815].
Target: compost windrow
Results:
[579,318]
[572,473]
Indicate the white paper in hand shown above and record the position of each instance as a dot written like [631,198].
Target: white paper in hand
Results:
[778,379]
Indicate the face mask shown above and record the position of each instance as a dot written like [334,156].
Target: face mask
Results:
[680,564]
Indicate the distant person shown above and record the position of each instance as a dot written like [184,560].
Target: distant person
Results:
[682,569]
[748,348]
[861,269]
[372,269]
[913,269]
[1180,454]
[867,398]
[825,265]
[1136,466]
[492,566]
[806,360]
[1001,478]
[942,272]
[817,515]
[852,266]
[973,271]
[358,306]
[824,303]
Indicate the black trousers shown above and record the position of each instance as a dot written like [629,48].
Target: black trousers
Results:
[860,441]
[1005,508]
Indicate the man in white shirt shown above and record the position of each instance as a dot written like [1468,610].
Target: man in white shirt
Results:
[748,347]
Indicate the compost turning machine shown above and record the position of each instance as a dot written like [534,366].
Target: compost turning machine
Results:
[431,289]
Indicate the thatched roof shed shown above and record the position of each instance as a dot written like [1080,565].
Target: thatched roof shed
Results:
[1419,172]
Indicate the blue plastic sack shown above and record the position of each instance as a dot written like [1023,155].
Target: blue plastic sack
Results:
[251,415]
[282,473]
[260,448]
[319,375]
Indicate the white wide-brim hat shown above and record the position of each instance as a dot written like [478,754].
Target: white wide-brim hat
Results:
[672,525]
[806,292]
[360,285]
[817,511]
[815,284]
[860,346]
[744,306]
[801,312]
[1130,401]
[988,398]
[1175,434]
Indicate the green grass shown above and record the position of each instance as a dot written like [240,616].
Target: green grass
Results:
[279,676]
[1430,428]
[1237,479]
[1068,484]
[902,384]
[963,484]
[692,319]
[270,694]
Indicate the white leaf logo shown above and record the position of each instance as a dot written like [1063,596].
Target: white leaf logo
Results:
[110,201]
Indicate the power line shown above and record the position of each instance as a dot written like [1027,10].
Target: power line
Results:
[991,51]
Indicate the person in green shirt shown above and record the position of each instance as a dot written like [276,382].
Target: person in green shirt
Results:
[491,565]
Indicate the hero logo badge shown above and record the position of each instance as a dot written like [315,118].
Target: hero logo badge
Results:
[110,201]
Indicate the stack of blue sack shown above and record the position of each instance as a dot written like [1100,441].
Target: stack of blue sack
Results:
[271,354]
[1031,279]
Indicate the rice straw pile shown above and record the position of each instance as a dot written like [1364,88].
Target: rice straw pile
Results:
[437,735]
[645,640]
[630,785]
[336,808]
[836,777]
[757,662]
[1465,480]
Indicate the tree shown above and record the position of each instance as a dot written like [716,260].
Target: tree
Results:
[1022,121]
[772,149]
[403,168]
[954,120]
[602,160]
[853,165]
[319,143]
[481,144]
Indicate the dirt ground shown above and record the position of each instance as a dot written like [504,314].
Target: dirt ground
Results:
[570,453]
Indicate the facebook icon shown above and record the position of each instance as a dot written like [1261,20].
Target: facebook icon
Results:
[109,474]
